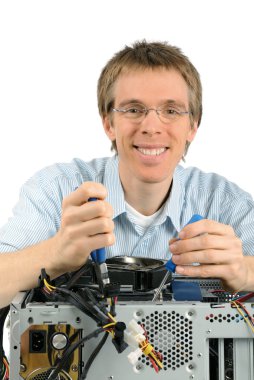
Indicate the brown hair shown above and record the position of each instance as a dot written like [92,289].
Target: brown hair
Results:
[149,55]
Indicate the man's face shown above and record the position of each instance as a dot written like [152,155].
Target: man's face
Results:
[150,149]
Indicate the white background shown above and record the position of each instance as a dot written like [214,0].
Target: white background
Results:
[52,52]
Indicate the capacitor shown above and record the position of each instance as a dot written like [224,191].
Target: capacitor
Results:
[59,341]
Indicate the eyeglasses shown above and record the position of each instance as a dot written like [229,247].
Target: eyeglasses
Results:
[137,113]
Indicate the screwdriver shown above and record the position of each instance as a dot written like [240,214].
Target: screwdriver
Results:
[170,266]
[99,258]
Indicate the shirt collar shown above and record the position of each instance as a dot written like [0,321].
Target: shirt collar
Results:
[173,206]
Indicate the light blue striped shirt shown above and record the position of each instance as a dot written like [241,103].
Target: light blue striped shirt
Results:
[37,215]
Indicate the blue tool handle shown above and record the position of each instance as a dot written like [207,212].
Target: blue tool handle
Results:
[99,255]
[170,266]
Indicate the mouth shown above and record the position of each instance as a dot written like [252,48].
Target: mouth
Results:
[151,151]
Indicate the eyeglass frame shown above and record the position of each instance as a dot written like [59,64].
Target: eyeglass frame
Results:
[146,110]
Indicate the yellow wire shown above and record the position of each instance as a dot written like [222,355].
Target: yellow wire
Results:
[243,315]
[48,286]
[6,364]
[111,316]
[112,333]
[109,324]
[157,360]
[147,348]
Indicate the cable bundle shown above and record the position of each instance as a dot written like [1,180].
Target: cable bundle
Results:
[136,336]
[92,303]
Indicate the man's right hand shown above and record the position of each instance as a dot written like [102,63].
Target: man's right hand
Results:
[85,226]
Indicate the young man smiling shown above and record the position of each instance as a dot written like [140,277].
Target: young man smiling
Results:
[150,101]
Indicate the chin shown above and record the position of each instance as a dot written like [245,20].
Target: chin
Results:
[153,179]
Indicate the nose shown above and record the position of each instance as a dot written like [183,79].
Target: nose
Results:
[151,123]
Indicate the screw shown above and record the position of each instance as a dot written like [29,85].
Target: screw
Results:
[208,331]
[199,355]
[190,313]
[110,377]
[191,366]
[22,367]
[192,376]
[139,367]
[74,368]
[138,313]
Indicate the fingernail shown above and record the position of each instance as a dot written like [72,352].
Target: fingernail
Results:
[175,259]
[182,235]
[172,247]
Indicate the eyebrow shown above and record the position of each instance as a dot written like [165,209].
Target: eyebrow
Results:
[174,102]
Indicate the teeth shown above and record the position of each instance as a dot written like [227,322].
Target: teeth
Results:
[152,152]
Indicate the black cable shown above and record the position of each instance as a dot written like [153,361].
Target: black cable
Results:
[92,311]
[76,275]
[53,375]
[3,314]
[93,356]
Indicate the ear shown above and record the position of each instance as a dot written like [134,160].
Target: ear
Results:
[192,132]
[108,128]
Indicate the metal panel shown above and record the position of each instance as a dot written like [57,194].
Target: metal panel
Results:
[181,331]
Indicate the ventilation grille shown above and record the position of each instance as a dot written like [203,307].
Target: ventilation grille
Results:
[43,374]
[171,335]
[236,318]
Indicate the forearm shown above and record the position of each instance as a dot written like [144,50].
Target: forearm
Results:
[20,270]
[85,226]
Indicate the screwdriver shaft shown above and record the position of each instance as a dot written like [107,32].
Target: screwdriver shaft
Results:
[161,286]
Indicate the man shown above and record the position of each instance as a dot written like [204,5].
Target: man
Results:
[149,98]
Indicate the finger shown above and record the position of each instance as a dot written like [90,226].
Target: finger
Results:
[203,271]
[89,229]
[204,242]
[205,226]
[202,257]
[84,192]
[87,211]
[101,240]
[171,241]
[79,249]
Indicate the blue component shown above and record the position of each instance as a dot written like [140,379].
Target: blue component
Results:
[195,218]
[170,266]
[186,291]
[98,256]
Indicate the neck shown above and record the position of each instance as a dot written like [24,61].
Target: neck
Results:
[146,198]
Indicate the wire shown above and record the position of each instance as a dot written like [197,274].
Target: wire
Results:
[93,356]
[113,319]
[148,350]
[92,304]
[48,286]
[246,319]
[70,350]
[6,364]
[3,360]
[93,308]
[76,275]
[244,298]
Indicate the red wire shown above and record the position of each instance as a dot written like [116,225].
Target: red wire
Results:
[154,364]
[246,311]
[246,297]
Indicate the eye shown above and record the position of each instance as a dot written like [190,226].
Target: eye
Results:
[170,111]
[134,110]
